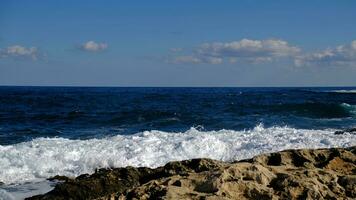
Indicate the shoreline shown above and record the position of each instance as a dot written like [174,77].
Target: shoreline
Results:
[289,174]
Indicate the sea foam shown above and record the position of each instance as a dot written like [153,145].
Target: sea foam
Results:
[343,91]
[41,158]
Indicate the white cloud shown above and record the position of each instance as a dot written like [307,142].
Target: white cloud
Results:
[93,46]
[344,55]
[196,60]
[246,50]
[175,49]
[186,59]
[18,51]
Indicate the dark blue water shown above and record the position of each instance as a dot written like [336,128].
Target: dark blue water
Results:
[82,113]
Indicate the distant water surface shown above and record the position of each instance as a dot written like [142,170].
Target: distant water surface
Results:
[82,113]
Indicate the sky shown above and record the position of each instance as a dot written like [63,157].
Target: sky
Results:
[178,43]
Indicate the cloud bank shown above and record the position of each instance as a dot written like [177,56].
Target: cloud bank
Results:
[245,50]
[262,51]
[93,46]
[343,55]
[17,51]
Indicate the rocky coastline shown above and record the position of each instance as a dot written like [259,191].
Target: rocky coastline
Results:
[290,174]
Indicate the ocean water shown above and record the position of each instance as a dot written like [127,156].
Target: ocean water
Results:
[48,131]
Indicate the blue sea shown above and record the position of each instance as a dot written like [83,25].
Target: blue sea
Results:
[48,131]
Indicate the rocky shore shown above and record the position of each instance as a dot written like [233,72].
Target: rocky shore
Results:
[290,174]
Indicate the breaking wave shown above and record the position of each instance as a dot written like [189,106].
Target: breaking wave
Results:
[41,158]
[349,108]
[344,91]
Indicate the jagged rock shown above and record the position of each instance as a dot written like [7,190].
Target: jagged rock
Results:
[349,130]
[59,178]
[290,174]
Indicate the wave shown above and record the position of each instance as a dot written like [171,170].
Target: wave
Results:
[343,91]
[350,108]
[41,158]
[318,110]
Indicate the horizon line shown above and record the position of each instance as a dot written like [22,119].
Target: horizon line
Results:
[112,86]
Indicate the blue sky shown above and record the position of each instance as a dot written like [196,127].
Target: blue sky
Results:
[178,43]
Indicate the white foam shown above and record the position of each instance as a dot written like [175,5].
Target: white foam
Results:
[343,91]
[46,157]
[18,192]
[4,195]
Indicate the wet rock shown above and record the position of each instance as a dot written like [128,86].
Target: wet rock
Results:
[59,178]
[103,182]
[349,130]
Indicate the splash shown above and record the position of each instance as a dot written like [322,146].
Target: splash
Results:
[45,157]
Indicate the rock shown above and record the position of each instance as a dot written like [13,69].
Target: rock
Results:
[349,184]
[103,182]
[349,130]
[59,178]
[290,174]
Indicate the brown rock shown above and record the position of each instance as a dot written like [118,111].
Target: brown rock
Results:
[290,174]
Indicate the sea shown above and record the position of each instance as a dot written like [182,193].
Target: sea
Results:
[48,131]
